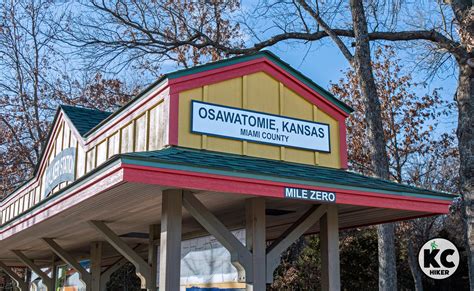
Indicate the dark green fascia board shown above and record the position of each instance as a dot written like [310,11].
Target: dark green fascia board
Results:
[271,56]
[143,161]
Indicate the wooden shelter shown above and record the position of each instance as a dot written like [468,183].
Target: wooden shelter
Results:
[247,142]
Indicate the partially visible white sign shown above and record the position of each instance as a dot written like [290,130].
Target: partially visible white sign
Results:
[61,169]
[205,260]
[236,123]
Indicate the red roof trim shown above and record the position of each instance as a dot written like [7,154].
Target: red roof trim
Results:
[230,184]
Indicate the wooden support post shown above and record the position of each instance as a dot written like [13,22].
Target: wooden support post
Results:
[240,256]
[170,240]
[153,236]
[256,242]
[329,235]
[96,260]
[20,283]
[289,236]
[47,281]
[141,266]
[84,276]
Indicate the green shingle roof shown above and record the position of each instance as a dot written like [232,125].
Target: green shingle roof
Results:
[235,164]
[84,119]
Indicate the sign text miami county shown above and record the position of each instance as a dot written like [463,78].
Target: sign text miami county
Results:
[61,169]
[255,126]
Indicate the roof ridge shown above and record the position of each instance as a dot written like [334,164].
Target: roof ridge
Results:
[83,108]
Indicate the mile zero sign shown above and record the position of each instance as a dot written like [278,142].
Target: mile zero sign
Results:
[310,194]
[240,124]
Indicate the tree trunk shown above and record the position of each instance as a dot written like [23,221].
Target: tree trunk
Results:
[465,133]
[415,270]
[362,65]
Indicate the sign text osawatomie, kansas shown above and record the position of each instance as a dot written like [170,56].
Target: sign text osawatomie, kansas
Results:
[236,123]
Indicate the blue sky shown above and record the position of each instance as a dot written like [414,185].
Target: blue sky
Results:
[324,64]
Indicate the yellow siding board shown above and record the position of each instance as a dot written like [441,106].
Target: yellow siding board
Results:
[90,157]
[297,107]
[81,162]
[101,152]
[157,128]
[263,95]
[227,93]
[185,137]
[127,139]
[259,92]
[141,133]
[59,140]
[153,143]
[114,143]
[330,159]
[66,137]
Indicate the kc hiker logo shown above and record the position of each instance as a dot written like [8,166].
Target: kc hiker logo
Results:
[438,258]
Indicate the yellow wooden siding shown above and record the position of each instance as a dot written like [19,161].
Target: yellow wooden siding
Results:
[127,138]
[80,162]
[233,97]
[114,144]
[262,94]
[154,142]
[90,159]
[141,133]
[101,152]
[259,92]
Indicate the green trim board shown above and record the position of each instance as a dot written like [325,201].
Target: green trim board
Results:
[272,57]
[265,169]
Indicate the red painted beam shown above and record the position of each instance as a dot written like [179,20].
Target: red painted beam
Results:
[238,185]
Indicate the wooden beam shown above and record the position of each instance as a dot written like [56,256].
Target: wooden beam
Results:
[84,276]
[47,281]
[289,236]
[96,260]
[240,256]
[170,240]
[22,285]
[141,267]
[329,235]
[256,241]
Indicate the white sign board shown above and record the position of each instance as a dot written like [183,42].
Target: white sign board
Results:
[241,124]
[61,169]
[205,261]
